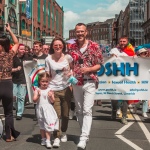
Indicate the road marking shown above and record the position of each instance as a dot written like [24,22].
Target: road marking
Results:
[125,127]
[143,127]
[120,131]
[129,142]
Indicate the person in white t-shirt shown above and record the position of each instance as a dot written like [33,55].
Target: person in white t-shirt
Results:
[58,65]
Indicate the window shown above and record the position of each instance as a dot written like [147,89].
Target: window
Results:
[44,12]
[38,10]
[23,8]
[12,1]
[12,20]
[52,18]
[38,33]
[57,22]
[23,25]
[49,12]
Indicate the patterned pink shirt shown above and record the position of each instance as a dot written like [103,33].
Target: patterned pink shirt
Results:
[91,57]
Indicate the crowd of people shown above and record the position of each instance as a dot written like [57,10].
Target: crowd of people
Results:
[56,85]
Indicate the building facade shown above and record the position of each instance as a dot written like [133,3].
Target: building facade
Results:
[48,19]
[99,32]
[136,19]
[9,10]
[146,24]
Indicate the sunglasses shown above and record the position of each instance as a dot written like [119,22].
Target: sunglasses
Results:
[143,53]
[60,46]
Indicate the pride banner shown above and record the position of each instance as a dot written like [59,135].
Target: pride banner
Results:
[124,78]
[31,70]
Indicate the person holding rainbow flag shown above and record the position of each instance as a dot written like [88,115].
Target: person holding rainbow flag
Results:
[124,48]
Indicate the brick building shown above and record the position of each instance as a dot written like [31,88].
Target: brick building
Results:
[100,32]
[48,19]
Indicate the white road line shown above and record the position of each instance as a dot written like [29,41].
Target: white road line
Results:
[129,142]
[143,127]
[120,131]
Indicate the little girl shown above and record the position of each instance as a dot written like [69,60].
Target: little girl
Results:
[47,117]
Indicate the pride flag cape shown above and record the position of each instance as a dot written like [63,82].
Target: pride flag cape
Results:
[129,50]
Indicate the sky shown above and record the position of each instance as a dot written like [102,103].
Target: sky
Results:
[87,11]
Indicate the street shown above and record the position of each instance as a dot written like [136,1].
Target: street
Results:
[105,134]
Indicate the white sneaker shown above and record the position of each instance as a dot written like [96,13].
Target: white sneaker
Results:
[43,142]
[56,143]
[144,115]
[118,112]
[48,144]
[82,144]
[64,138]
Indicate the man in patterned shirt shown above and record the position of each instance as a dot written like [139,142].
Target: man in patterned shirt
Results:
[87,57]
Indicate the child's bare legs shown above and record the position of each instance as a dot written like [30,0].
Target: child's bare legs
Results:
[43,140]
[42,133]
[48,135]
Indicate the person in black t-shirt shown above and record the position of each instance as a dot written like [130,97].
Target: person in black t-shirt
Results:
[37,50]
[19,81]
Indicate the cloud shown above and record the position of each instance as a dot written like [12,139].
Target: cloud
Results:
[101,13]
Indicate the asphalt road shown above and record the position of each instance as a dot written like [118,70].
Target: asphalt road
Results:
[105,133]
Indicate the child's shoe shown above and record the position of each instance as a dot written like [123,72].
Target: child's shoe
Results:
[43,142]
[48,144]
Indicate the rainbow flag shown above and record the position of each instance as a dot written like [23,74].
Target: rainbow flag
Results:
[129,50]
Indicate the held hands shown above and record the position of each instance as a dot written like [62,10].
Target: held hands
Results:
[51,96]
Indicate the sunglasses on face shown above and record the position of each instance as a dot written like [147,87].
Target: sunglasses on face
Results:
[60,46]
[144,53]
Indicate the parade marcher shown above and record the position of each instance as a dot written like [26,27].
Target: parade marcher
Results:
[58,65]
[47,117]
[142,52]
[87,59]
[123,49]
[37,50]
[6,85]
[45,49]
[19,81]
[37,54]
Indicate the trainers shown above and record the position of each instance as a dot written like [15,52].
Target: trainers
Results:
[48,144]
[144,115]
[124,120]
[43,142]
[118,112]
[82,144]
[56,143]
[64,138]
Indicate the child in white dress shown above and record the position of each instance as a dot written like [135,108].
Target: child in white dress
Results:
[47,117]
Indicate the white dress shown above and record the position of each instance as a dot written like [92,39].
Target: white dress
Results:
[47,117]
